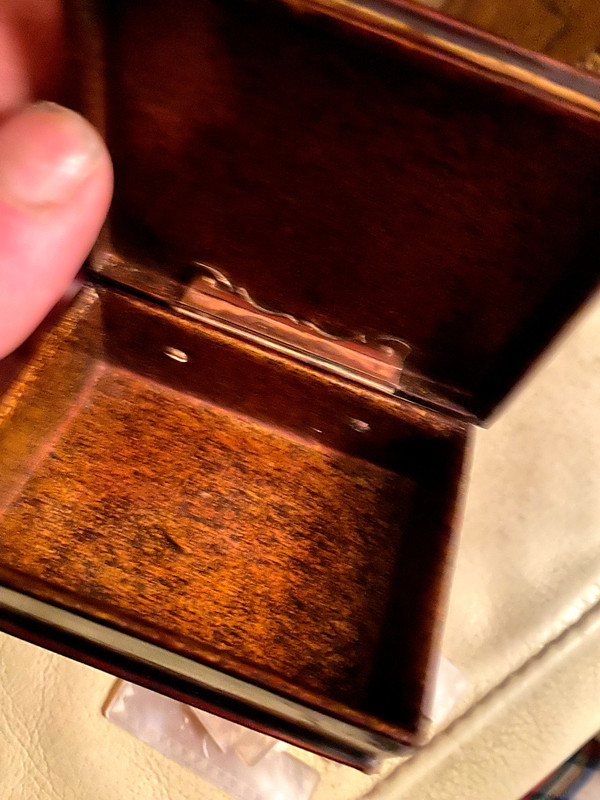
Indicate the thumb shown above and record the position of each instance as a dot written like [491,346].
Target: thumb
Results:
[55,189]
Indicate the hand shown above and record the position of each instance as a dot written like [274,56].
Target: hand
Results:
[55,172]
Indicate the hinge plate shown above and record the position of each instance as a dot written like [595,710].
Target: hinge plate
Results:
[212,298]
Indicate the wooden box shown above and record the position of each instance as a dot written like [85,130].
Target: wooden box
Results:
[341,232]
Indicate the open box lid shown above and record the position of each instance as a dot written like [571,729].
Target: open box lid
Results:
[359,168]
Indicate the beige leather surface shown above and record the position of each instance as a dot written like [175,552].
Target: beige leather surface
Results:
[523,626]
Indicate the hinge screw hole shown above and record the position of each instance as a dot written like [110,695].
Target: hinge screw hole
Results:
[176,355]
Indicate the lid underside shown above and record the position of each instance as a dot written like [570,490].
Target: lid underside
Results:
[353,181]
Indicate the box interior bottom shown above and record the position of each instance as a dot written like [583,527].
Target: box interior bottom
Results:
[260,549]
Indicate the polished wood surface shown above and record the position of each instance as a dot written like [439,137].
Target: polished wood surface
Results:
[137,490]
[355,183]
[203,493]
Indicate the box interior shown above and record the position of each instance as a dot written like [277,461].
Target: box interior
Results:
[256,515]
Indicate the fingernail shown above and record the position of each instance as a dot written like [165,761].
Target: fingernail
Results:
[46,153]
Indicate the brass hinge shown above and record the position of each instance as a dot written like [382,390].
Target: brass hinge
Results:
[212,298]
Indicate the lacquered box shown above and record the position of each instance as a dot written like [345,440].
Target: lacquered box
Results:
[232,469]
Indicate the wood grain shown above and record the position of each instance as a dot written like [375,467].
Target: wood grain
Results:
[258,548]
[352,181]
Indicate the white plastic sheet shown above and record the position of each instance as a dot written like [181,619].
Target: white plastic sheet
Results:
[245,764]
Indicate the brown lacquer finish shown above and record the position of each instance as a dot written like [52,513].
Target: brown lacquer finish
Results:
[251,514]
[228,504]
[353,182]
